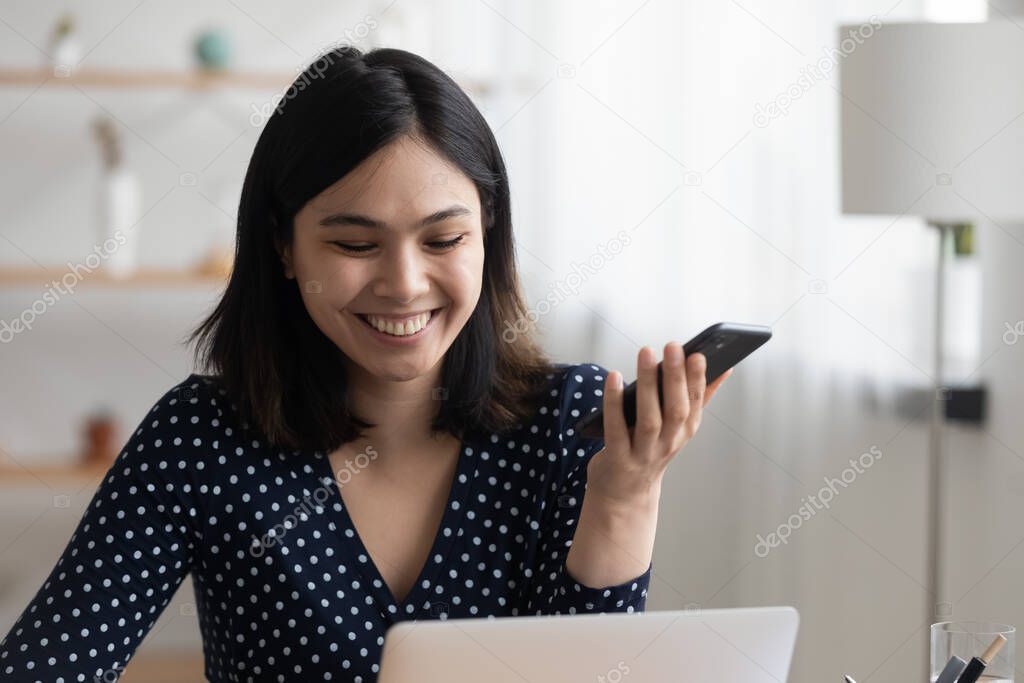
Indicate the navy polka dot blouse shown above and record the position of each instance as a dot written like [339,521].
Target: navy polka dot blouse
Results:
[284,588]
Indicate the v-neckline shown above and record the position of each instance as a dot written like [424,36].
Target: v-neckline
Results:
[459,492]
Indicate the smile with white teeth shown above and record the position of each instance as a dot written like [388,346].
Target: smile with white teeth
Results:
[399,328]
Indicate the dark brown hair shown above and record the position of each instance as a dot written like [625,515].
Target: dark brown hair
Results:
[286,377]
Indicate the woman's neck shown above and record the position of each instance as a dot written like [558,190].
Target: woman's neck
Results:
[402,411]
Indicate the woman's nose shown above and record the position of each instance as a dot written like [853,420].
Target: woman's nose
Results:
[402,276]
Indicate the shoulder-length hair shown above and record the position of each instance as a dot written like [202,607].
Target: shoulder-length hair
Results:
[286,377]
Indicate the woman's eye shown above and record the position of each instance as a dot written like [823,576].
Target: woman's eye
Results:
[440,245]
[355,248]
[445,244]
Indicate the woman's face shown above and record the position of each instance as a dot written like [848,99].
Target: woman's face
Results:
[389,260]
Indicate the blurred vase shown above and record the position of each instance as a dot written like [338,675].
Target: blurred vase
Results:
[65,50]
[213,49]
[119,210]
[100,432]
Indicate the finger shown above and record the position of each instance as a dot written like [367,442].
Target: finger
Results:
[648,411]
[696,377]
[676,403]
[616,435]
[713,387]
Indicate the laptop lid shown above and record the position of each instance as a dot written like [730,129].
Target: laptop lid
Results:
[746,645]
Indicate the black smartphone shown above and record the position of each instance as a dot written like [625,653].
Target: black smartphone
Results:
[723,345]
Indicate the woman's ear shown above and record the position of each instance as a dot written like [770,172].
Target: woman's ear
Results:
[284,251]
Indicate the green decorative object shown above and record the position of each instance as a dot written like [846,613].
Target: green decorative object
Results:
[65,27]
[213,49]
[963,239]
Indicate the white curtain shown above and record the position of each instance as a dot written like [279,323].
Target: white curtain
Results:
[641,119]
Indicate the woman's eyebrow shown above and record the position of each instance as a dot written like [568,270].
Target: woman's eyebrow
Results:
[367,222]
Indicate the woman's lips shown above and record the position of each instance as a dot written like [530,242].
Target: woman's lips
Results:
[400,316]
[419,333]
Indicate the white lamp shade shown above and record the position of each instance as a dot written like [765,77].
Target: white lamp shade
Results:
[932,119]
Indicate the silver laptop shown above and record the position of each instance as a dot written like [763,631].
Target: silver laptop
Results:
[748,645]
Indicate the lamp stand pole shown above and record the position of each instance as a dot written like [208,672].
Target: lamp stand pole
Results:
[937,608]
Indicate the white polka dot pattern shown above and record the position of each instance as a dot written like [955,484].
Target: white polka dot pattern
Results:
[285,589]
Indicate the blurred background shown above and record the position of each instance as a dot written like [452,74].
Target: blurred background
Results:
[673,164]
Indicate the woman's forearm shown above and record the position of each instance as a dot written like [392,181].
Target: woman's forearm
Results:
[614,540]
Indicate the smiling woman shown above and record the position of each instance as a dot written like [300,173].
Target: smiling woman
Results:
[373,274]
[379,190]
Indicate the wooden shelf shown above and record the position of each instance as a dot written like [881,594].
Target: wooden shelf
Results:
[161,667]
[143,277]
[196,79]
[51,475]
[118,78]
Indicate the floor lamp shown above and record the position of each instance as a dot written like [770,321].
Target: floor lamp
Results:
[931,126]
